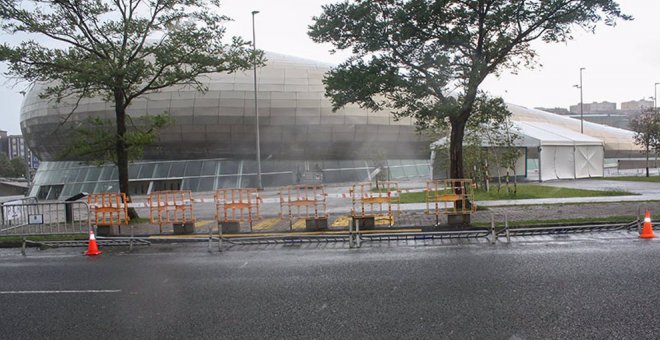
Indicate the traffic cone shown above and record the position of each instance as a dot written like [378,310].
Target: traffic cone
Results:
[92,248]
[647,230]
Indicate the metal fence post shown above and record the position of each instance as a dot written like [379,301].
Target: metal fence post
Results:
[357,233]
[492,229]
[350,234]
[210,238]
[219,237]
[130,244]
[506,228]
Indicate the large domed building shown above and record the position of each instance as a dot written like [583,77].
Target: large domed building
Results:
[212,142]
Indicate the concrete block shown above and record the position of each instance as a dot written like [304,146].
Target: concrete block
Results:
[316,224]
[184,228]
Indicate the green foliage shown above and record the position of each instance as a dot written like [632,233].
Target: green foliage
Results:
[13,168]
[646,126]
[18,167]
[525,191]
[130,48]
[426,59]
[489,143]
[95,140]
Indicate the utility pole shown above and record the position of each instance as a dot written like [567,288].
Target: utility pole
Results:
[256,105]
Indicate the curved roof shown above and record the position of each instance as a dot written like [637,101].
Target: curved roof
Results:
[296,119]
[617,142]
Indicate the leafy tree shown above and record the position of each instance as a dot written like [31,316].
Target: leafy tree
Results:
[5,165]
[646,126]
[95,140]
[501,136]
[13,168]
[427,59]
[119,50]
[18,166]
[489,137]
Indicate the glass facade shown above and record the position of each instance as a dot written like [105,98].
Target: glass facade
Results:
[60,180]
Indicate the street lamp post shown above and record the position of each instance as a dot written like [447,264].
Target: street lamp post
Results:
[581,102]
[256,105]
[655,96]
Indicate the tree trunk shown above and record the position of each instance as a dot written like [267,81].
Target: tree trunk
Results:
[647,162]
[120,149]
[456,148]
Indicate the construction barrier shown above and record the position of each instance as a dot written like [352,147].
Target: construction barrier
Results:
[171,207]
[237,205]
[450,196]
[303,201]
[381,202]
[108,208]
[27,217]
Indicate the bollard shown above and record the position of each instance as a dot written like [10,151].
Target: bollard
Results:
[23,247]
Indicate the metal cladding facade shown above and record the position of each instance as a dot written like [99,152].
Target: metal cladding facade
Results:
[296,120]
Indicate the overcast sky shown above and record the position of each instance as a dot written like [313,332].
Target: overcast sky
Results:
[622,63]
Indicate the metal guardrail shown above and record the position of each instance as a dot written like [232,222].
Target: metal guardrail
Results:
[355,238]
[567,229]
[346,237]
[102,242]
[49,218]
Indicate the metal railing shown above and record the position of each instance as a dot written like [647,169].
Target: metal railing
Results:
[49,218]
[369,202]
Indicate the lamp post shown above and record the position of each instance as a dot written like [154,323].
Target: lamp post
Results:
[581,103]
[256,105]
[655,96]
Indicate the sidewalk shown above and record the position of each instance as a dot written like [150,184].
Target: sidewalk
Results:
[412,215]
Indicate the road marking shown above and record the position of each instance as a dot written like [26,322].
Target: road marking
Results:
[58,291]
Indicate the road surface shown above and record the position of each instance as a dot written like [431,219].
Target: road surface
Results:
[553,288]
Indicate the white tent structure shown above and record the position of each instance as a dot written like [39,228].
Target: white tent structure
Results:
[562,153]
[616,142]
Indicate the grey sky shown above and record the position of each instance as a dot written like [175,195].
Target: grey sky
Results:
[622,63]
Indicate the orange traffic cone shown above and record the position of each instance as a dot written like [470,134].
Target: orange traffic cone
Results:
[92,248]
[647,230]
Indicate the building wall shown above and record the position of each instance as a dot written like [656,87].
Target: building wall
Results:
[595,107]
[636,105]
[296,120]
[14,147]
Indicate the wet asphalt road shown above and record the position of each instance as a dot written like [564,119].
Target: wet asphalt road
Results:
[527,290]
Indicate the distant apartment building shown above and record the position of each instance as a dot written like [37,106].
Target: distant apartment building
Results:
[636,106]
[14,147]
[557,110]
[595,107]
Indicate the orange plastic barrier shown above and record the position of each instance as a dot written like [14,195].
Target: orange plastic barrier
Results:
[450,196]
[171,206]
[237,205]
[109,208]
[303,201]
[369,201]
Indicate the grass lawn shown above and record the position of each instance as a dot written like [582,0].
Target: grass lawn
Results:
[654,179]
[525,191]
